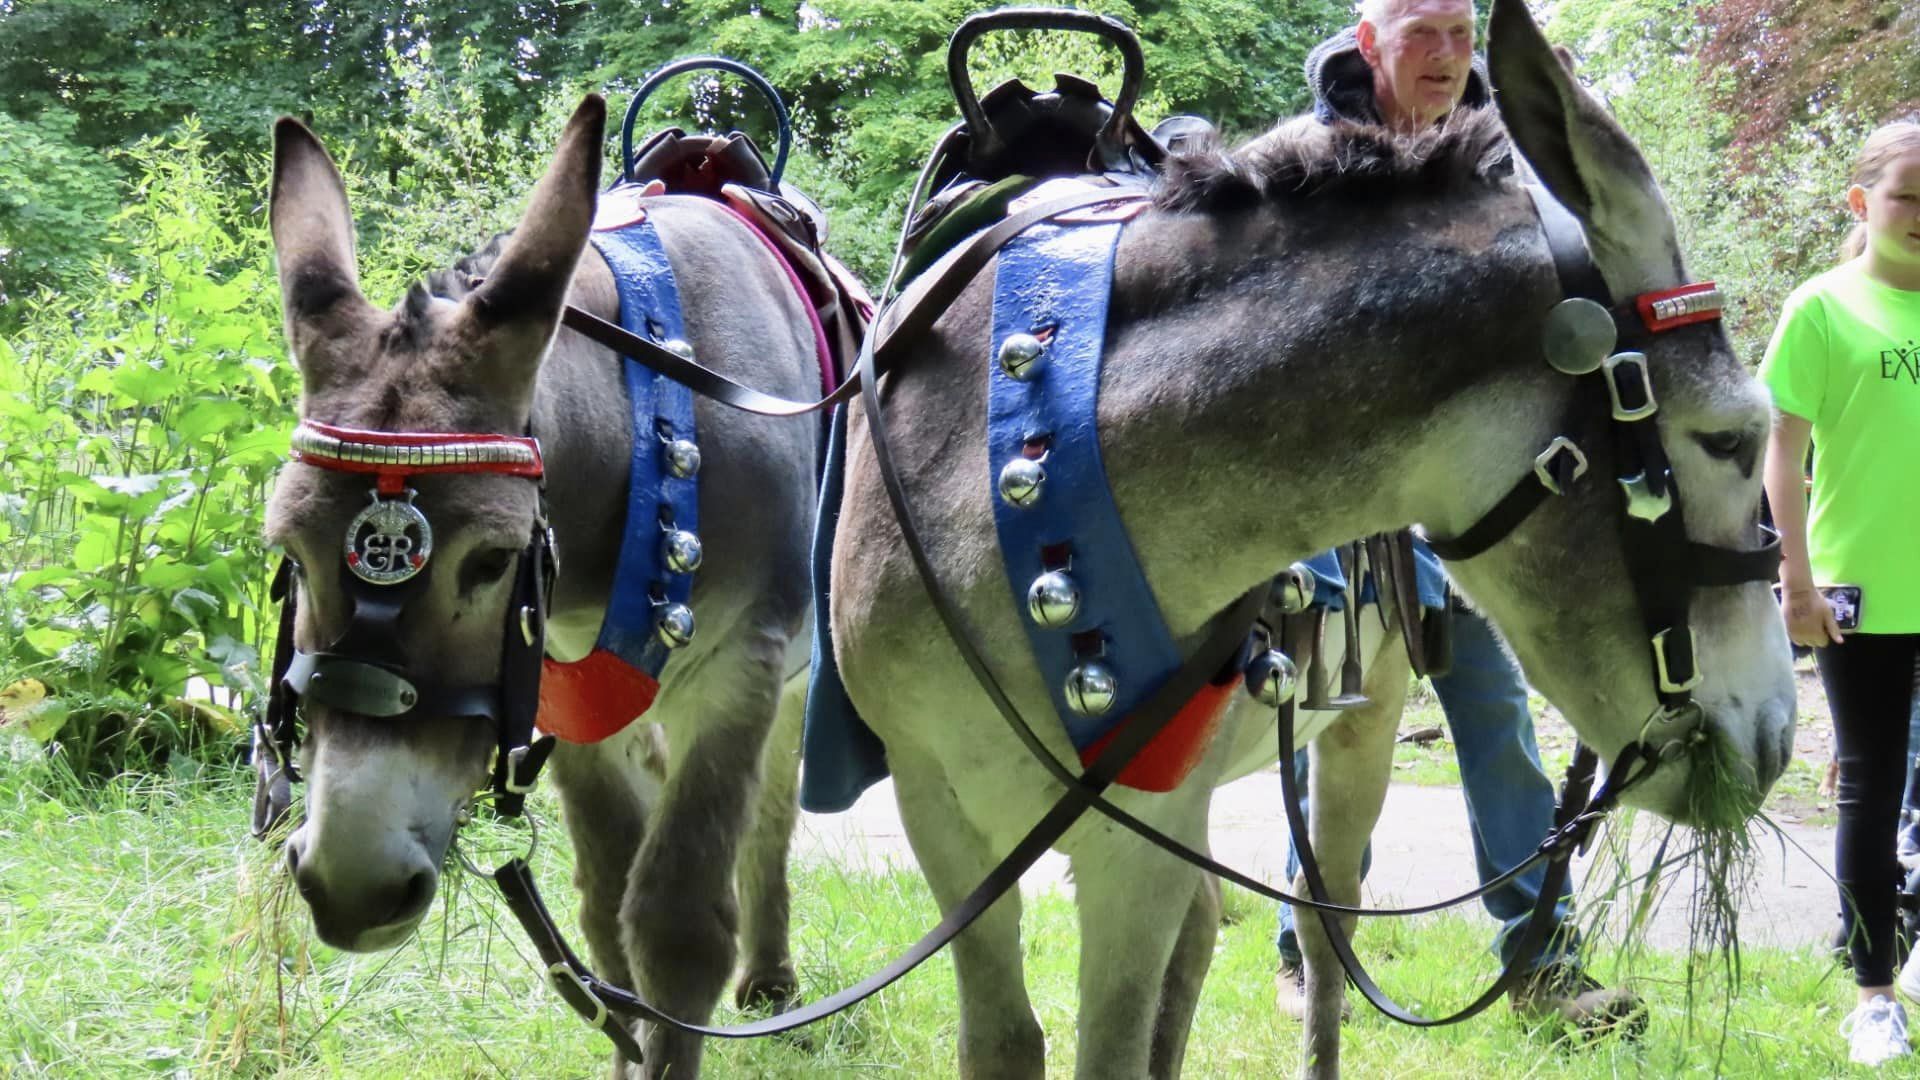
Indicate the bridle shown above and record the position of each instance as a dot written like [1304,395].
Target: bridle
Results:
[386,564]
[1615,389]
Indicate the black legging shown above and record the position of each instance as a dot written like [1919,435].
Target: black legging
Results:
[1870,685]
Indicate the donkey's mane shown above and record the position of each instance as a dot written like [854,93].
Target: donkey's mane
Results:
[453,283]
[1302,160]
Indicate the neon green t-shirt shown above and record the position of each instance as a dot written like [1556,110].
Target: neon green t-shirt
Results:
[1846,356]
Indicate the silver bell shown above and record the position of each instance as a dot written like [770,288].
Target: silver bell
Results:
[1053,599]
[1022,356]
[679,348]
[1270,678]
[1020,482]
[674,625]
[1293,590]
[682,551]
[1092,689]
[683,458]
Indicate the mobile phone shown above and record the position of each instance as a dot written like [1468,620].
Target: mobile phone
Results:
[1844,600]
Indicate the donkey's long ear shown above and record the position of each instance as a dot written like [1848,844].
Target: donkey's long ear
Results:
[518,306]
[312,233]
[1582,155]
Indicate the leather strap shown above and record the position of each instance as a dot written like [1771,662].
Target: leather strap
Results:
[593,998]
[927,309]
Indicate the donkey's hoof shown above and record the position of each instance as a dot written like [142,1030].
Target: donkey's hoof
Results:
[772,991]
[1576,1000]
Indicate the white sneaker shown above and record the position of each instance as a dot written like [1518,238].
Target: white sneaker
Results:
[1876,1032]
[1909,981]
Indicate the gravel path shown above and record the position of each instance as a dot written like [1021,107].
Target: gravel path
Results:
[1421,852]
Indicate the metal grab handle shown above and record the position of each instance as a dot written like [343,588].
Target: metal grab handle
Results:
[1133,71]
[709,63]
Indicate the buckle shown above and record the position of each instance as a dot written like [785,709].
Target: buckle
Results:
[1665,667]
[1642,503]
[1637,403]
[1543,463]
[555,974]
[517,758]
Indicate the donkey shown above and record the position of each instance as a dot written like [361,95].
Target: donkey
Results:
[656,812]
[1307,340]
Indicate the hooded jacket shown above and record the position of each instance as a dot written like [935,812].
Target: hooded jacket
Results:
[1342,83]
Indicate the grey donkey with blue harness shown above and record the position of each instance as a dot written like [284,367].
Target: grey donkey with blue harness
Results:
[1294,354]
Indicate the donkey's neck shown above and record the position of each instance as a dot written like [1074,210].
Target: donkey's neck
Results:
[580,414]
[1307,390]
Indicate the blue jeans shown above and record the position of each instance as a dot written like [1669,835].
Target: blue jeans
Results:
[1509,797]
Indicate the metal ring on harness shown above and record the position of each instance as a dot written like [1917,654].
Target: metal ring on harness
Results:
[784,125]
[987,141]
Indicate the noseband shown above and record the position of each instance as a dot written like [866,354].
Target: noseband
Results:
[387,561]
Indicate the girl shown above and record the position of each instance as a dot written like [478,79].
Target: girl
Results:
[1844,369]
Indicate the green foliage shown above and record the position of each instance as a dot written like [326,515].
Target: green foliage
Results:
[1757,232]
[55,202]
[140,420]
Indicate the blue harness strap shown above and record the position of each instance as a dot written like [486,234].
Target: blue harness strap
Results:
[662,411]
[1052,285]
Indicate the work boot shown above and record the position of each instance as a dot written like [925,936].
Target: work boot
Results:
[1567,995]
[1290,992]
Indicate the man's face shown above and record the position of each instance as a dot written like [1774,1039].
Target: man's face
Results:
[1421,54]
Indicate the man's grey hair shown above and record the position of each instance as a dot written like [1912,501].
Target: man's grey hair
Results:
[1378,12]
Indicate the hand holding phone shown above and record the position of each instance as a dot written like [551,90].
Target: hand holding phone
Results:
[1819,624]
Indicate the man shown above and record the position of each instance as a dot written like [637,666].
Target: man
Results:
[1407,64]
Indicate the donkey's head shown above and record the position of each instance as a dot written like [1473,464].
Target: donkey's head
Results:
[395,752]
[1576,595]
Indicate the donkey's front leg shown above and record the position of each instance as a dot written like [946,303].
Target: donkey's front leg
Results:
[605,792]
[1352,763]
[1000,1039]
[680,917]
[1134,900]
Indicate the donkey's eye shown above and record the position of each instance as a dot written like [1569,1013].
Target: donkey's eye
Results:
[1725,445]
[485,568]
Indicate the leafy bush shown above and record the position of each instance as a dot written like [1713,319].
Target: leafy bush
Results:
[141,417]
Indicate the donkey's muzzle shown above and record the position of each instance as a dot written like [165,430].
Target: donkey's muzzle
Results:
[368,901]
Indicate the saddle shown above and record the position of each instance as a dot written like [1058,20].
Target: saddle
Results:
[730,169]
[1032,137]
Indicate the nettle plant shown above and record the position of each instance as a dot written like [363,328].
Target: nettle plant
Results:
[141,416]
[143,413]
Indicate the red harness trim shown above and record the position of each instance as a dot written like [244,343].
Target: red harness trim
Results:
[587,701]
[1165,762]
[393,456]
[1670,309]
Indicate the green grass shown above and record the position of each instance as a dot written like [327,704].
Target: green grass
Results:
[143,933]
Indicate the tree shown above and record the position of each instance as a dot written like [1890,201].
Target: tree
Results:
[1789,61]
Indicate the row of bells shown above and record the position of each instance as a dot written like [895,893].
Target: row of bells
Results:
[1092,687]
[1053,600]
[680,549]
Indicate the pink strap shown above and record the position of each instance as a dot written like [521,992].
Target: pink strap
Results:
[828,377]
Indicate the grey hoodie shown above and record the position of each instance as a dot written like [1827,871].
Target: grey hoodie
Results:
[1342,83]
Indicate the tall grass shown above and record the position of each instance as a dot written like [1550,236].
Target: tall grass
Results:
[142,933]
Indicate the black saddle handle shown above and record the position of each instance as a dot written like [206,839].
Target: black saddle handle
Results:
[987,141]
[784,125]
